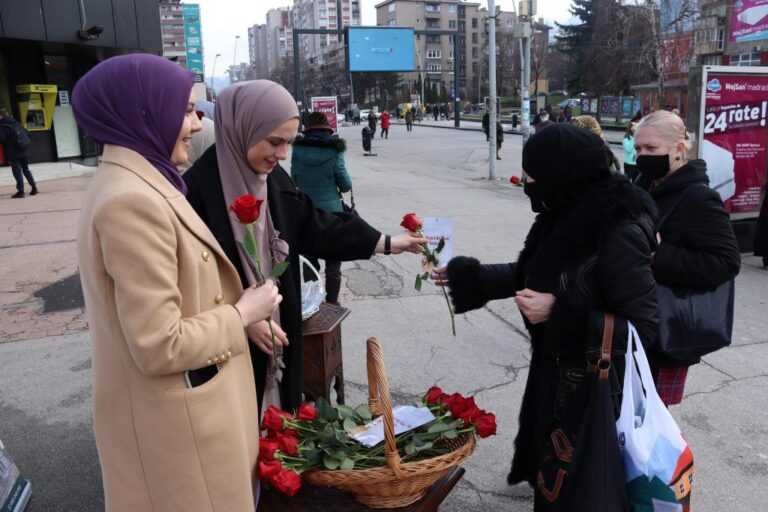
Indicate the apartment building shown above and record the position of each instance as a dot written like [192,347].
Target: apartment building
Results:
[257,50]
[279,39]
[435,53]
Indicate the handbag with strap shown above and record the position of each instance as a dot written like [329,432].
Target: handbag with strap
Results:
[693,323]
[349,208]
[583,469]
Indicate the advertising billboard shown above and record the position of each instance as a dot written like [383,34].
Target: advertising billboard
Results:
[734,136]
[193,39]
[381,49]
[749,20]
[328,106]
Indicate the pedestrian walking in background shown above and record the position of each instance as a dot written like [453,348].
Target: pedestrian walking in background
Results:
[201,141]
[499,139]
[761,233]
[486,124]
[372,124]
[409,120]
[587,254]
[356,115]
[591,124]
[385,124]
[630,153]
[543,121]
[697,247]
[15,139]
[256,123]
[435,112]
[318,169]
[163,302]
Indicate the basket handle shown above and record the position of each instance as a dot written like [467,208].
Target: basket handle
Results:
[380,402]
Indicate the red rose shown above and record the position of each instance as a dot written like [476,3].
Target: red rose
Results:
[267,449]
[411,222]
[287,482]
[514,180]
[469,415]
[247,208]
[307,412]
[458,404]
[269,468]
[273,419]
[485,424]
[289,445]
[433,394]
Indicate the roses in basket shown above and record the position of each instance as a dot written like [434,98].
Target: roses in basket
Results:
[320,437]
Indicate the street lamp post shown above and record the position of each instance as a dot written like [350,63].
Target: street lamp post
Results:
[213,73]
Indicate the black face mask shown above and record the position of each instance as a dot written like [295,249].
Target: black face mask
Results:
[653,167]
[532,190]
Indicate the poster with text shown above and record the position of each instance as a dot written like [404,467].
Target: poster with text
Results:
[436,228]
[735,138]
[749,20]
[328,106]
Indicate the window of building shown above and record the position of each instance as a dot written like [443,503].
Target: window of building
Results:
[462,26]
[451,7]
[474,37]
[434,53]
[434,66]
[433,23]
[392,23]
[432,7]
[474,52]
[391,7]
[474,22]
[433,39]
[711,60]
[452,24]
[746,59]
[474,68]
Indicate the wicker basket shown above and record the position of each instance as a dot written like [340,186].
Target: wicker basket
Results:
[397,484]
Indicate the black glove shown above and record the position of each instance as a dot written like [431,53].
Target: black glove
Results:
[472,285]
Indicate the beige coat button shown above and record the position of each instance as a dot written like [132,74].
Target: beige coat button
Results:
[219,299]
[206,255]
[210,362]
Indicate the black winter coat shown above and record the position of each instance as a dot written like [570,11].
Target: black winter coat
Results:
[761,233]
[8,126]
[307,230]
[594,258]
[698,249]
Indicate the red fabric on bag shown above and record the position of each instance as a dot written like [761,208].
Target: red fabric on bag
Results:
[670,383]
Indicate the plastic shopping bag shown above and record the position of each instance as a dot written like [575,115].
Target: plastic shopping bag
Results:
[657,459]
[15,490]
[312,292]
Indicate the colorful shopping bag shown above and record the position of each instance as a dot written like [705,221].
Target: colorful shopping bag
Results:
[657,459]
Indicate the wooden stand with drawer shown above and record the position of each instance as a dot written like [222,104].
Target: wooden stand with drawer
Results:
[322,353]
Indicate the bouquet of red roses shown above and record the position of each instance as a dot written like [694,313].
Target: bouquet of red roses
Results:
[321,437]
[430,259]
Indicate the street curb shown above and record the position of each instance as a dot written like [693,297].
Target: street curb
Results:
[511,132]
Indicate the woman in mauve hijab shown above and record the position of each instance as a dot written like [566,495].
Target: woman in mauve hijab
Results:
[163,302]
[256,122]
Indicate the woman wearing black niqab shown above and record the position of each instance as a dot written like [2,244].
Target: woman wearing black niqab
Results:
[588,253]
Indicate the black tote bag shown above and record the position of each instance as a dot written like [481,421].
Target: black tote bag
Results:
[694,323]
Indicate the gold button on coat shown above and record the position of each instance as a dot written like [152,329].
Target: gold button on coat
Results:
[219,299]
[206,255]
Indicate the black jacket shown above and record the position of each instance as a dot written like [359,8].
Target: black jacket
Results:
[307,230]
[698,249]
[8,126]
[761,233]
[595,258]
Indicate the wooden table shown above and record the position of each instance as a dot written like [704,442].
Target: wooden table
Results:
[311,499]
[323,363]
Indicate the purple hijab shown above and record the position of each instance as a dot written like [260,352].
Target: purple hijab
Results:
[136,101]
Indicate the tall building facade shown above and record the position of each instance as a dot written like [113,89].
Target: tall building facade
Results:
[257,50]
[435,53]
[323,14]
[182,36]
[279,39]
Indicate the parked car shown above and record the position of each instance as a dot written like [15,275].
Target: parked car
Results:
[340,118]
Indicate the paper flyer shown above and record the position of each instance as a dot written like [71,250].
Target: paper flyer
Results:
[436,228]
[407,417]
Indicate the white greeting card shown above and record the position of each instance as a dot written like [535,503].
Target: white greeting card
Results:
[436,228]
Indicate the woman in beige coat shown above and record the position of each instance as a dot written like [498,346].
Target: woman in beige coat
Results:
[163,301]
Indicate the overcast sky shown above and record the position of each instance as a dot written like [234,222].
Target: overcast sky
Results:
[224,19]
